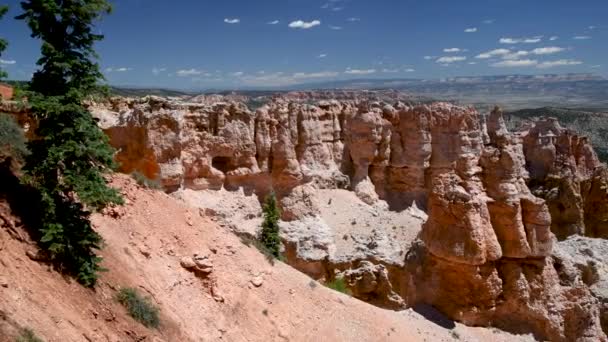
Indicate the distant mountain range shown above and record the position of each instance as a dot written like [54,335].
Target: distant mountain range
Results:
[510,91]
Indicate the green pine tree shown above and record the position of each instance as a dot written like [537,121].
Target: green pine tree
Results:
[3,43]
[70,154]
[270,227]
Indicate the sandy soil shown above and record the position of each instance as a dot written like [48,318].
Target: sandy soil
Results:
[244,299]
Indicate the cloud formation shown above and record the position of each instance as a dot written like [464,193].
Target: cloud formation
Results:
[547,50]
[581,37]
[520,40]
[560,62]
[470,30]
[515,63]
[360,71]
[188,72]
[493,53]
[335,27]
[300,24]
[452,50]
[7,62]
[450,59]
[232,20]
[274,22]
[121,69]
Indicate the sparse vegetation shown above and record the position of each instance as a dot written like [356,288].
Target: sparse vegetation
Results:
[71,155]
[146,182]
[140,308]
[12,140]
[339,284]
[27,335]
[269,237]
[247,241]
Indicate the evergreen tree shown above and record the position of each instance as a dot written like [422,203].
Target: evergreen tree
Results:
[3,43]
[70,154]
[270,226]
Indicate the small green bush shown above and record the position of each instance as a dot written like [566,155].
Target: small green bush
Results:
[146,182]
[140,308]
[269,235]
[27,335]
[12,140]
[338,284]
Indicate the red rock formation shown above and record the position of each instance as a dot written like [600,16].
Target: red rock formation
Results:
[493,198]
[6,92]
[566,172]
[487,259]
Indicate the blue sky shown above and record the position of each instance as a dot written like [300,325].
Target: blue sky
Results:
[201,44]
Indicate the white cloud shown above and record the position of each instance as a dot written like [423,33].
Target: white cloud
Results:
[493,53]
[470,30]
[592,27]
[8,62]
[581,37]
[323,55]
[429,57]
[322,74]
[547,50]
[353,19]
[560,62]
[299,24]
[410,70]
[597,66]
[237,74]
[360,71]
[121,69]
[520,40]
[450,59]
[472,63]
[452,50]
[552,38]
[157,71]
[390,71]
[335,27]
[516,63]
[274,22]
[489,21]
[232,20]
[188,72]
[516,55]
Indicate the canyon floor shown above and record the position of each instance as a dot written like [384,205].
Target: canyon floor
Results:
[244,299]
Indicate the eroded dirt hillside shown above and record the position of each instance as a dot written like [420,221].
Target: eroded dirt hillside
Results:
[244,298]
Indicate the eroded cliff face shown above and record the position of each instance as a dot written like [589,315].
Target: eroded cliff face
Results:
[494,199]
[566,172]
[487,253]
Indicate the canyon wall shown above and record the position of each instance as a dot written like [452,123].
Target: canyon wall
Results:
[495,199]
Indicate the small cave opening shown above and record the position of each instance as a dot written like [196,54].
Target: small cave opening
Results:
[221,163]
